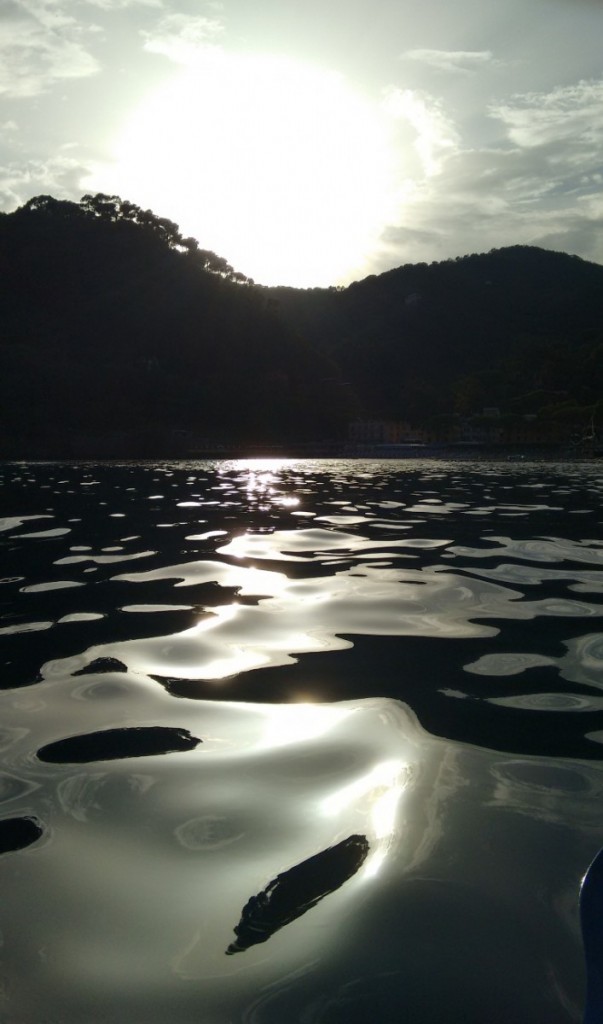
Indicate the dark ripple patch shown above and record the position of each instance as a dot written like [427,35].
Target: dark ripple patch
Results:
[296,891]
[112,744]
[102,665]
[17,833]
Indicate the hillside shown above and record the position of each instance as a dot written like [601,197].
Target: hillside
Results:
[120,337]
[519,328]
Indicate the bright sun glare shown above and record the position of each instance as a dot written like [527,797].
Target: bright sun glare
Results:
[277,166]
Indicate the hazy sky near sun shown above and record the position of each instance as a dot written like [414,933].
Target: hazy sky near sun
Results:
[315,141]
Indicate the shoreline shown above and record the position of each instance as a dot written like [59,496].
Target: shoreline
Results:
[444,451]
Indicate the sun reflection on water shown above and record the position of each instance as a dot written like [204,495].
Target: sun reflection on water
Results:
[376,794]
[297,723]
[263,480]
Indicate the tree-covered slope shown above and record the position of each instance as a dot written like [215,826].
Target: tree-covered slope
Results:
[520,328]
[112,323]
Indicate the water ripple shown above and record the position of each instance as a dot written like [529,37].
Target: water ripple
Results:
[330,843]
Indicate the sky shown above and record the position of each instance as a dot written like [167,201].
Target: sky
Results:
[315,142]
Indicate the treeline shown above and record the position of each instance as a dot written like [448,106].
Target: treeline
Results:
[120,336]
[519,328]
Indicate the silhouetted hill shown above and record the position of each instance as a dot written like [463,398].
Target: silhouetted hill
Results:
[114,327]
[119,336]
[520,328]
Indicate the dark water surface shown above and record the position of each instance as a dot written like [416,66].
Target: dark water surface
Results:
[313,742]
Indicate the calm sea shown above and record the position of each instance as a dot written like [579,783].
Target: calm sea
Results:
[298,741]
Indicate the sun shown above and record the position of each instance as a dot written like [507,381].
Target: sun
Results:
[280,167]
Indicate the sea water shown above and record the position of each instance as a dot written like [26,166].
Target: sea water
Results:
[298,741]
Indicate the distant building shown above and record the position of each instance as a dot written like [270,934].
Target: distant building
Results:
[377,431]
[385,432]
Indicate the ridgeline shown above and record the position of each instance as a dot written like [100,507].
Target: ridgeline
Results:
[121,338]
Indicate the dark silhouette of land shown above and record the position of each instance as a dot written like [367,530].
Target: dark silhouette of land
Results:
[119,337]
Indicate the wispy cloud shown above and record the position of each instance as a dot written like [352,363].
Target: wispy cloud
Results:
[40,45]
[118,5]
[59,176]
[182,37]
[541,184]
[460,62]
[573,112]
[435,135]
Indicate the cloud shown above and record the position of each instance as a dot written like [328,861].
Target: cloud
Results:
[435,136]
[567,113]
[39,46]
[460,62]
[578,235]
[59,176]
[540,184]
[486,199]
[118,5]
[182,37]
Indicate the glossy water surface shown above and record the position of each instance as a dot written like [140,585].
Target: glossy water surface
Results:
[312,742]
